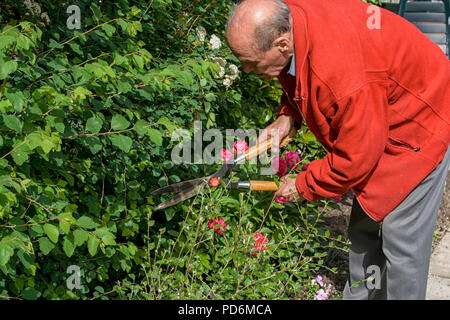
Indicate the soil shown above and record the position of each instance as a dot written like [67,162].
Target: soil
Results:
[337,220]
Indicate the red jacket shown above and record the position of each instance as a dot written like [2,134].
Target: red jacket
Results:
[377,99]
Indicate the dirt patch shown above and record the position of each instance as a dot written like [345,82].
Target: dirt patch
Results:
[337,221]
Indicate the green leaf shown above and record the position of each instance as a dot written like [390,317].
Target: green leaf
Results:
[30,294]
[46,145]
[138,61]
[68,247]
[81,93]
[20,155]
[168,124]
[34,140]
[141,127]
[106,236]
[170,213]
[119,122]
[6,252]
[80,237]
[76,48]
[7,68]
[27,259]
[155,136]
[92,244]
[210,97]
[109,29]
[52,232]
[64,225]
[108,240]
[93,143]
[122,142]
[94,125]
[45,245]
[53,44]
[17,99]
[124,86]
[6,40]
[86,223]
[12,122]
[23,42]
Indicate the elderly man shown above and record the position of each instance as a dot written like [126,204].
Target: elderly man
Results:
[375,92]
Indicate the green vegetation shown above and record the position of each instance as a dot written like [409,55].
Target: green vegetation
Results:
[86,122]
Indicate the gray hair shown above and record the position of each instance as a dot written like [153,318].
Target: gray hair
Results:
[275,25]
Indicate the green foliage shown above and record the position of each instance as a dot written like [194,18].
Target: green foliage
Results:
[86,123]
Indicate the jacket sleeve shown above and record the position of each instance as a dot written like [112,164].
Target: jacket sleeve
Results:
[287,108]
[361,134]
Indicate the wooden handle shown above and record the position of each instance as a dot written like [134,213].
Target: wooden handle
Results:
[288,138]
[266,145]
[259,185]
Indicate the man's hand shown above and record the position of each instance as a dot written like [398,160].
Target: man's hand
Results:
[277,130]
[288,189]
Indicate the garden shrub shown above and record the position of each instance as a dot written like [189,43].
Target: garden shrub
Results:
[86,122]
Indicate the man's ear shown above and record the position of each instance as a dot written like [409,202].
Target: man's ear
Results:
[282,42]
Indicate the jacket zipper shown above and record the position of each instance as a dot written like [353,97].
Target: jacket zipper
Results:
[403,144]
[299,109]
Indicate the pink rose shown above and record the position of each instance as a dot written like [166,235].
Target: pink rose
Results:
[293,159]
[305,166]
[226,155]
[239,147]
[218,224]
[281,200]
[338,198]
[279,166]
[259,243]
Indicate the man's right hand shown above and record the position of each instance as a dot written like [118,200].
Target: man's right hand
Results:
[277,130]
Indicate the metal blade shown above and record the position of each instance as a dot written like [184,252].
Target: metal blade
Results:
[180,186]
[227,166]
[183,195]
[187,189]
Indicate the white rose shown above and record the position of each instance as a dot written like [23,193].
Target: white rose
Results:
[234,71]
[222,63]
[227,81]
[45,18]
[215,42]
[201,33]
[222,72]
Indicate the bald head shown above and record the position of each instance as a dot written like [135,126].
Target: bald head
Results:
[257,23]
[260,35]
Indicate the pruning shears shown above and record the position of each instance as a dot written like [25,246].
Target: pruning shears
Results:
[188,189]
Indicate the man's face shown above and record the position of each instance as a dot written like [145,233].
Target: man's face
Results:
[266,65]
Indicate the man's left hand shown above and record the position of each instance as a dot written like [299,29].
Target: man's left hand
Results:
[288,189]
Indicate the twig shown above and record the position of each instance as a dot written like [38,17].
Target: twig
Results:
[6,297]
[14,149]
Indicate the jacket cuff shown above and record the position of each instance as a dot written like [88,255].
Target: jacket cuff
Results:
[303,189]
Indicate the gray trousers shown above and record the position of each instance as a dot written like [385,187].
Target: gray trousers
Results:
[391,260]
